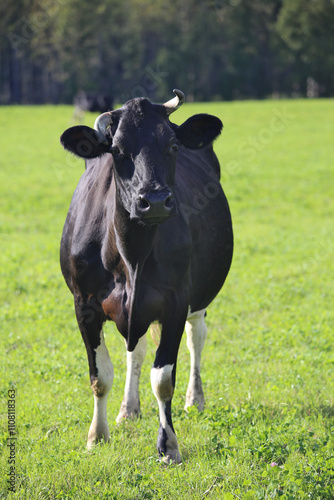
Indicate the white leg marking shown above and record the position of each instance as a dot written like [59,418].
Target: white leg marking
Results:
[130,406]
[101,386]
[162,386]
[161,381]
[196,334]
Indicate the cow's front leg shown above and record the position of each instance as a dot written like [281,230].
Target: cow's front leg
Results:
[163,389]
[101,385]
[100,368]
[196,334]
[130,406]
[163,383]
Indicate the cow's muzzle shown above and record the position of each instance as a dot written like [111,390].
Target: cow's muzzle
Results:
[156,207]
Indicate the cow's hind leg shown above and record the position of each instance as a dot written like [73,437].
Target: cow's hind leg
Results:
[130,405]
[100,368]
[196,334]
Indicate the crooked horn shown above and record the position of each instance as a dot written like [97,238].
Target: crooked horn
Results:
[101,124]
[176,102]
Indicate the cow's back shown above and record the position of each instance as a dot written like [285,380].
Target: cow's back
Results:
[86,225]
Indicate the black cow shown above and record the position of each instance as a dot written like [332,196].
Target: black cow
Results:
[89,101]
[148,238]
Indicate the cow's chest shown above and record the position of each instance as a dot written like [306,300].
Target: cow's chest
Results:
[139,304]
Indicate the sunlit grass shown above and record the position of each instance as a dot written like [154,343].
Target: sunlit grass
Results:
[269,360]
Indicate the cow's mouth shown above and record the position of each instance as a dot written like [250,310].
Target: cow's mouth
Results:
[150,221]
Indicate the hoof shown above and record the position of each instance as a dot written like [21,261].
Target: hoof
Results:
[92,442]
[127,413]
[126,416]
[198,404]
[195,395]
[94,439]
[173,457]
[195,400]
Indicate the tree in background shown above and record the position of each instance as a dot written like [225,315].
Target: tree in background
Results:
[214,49]
[306,28]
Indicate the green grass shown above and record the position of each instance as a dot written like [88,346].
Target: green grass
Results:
[269,359]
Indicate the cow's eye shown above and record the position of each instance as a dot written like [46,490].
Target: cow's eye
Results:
[117,153]
[174,148]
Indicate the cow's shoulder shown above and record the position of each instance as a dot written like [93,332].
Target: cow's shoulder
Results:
[197,163]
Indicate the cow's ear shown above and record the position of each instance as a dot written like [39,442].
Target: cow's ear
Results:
[199,130]
[84,142]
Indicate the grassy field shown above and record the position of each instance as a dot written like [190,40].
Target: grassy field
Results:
[267,430]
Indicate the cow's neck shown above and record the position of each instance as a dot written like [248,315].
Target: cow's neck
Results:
[134,242]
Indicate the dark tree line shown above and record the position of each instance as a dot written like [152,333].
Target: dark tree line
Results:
[212,49]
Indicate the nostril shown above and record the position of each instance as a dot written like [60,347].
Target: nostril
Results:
[143,204]
[169,201]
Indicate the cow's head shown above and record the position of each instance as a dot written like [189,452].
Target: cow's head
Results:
[144,146]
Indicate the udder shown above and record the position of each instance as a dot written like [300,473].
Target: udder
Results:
[115,307]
